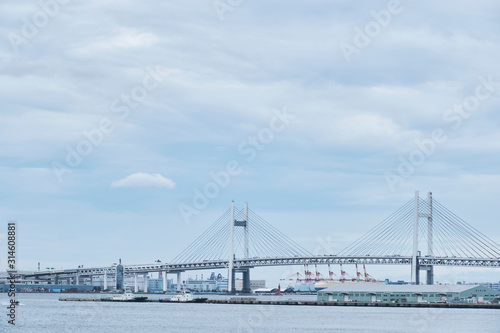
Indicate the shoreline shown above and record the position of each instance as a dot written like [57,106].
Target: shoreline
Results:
[310,303]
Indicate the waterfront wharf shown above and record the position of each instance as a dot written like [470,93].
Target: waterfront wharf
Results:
[295,302]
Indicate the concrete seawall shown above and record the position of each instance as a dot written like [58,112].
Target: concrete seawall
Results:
[311,303]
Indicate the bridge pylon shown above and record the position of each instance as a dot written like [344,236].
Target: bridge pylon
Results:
[231,269]
[418,217]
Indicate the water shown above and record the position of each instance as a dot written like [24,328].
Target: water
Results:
[44,313]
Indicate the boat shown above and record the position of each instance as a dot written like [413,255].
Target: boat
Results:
[186,296]
[129,297]
[200,300]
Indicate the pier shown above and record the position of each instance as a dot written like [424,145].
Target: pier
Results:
[295,302]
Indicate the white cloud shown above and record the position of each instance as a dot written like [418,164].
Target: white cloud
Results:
[141,179]
[127,39]
[365,125]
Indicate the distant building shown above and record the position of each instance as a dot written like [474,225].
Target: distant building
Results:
[265,291]
[156,285]
[254,284]
[202,285]
[304,287]
[409,293]
[50,288]
[396,282]
[220,284]
[492,285]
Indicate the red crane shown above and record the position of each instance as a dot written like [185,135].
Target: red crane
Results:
[330,273]
[319,277]
[298,278]
[368,277]
[342,274]
[307,273]
[359,276]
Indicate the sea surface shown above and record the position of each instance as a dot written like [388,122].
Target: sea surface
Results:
[45,313]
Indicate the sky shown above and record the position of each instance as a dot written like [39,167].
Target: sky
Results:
[127,128]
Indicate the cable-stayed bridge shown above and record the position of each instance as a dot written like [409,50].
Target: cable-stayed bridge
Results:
[422,233]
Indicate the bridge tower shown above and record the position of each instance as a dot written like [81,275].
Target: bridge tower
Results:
[232,270]
[415,267]
[119,278]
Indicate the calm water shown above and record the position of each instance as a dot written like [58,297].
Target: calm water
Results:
[44,313]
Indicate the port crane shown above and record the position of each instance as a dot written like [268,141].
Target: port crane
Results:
[309,277]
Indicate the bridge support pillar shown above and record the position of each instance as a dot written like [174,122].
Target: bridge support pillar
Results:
[105,280]
[146,283]
[430,239]
[165,281]
[246,281]
[120,277]
[230,273]
[136,286]
[179,281]
[430,273]
[231,282]
[414,260]
[417,273]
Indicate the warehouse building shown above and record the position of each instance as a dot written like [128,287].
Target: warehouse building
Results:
[492,285]
[409,293]
[220,284]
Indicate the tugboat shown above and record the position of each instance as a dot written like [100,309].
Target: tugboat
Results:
[186,296]
[129,297]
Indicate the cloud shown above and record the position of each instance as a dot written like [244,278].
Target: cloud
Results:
[127,39]
[354,121]
[141,179]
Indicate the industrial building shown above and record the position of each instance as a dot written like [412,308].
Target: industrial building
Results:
[304,287]
[492,285]
[156,285]
[219,284]
[205,285]
[48,288]
[91,283]
[409,293]
[254,284]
